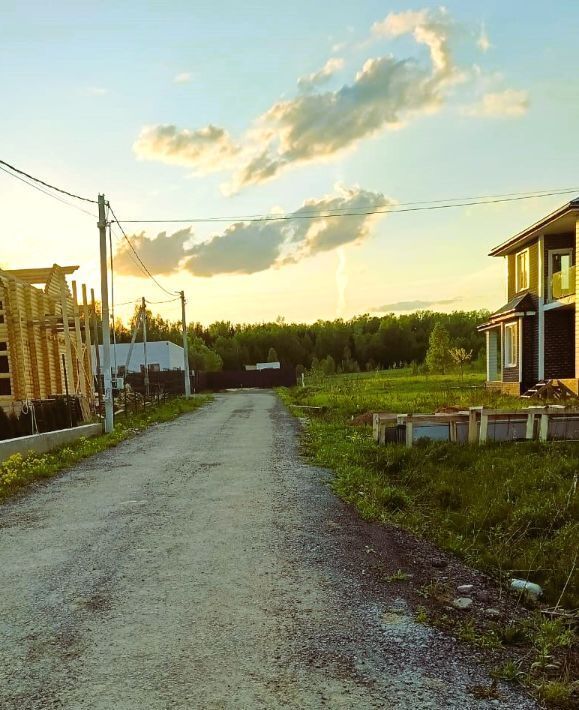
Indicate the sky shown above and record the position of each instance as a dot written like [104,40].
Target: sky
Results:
[190,110]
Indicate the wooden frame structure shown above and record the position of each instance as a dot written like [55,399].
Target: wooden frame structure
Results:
[478,425]
[41,336]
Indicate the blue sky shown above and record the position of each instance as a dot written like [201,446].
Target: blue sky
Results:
[81,81]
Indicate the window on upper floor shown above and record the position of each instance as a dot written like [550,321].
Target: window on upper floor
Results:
[511,332]
[522,270]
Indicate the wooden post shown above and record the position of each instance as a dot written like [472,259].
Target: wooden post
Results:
[409,430]
[67,341]
[484,427]
[544,427]
[88,344]
[473,425]
[81,378]
[97,350]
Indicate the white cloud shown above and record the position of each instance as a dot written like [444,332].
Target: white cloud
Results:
[320,124]
[428,27]
[207,149]
[249,247]
[510,103]
[96,91]
[331,67]
[183,77]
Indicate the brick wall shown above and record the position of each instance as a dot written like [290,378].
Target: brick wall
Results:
[530,351]
[559,343]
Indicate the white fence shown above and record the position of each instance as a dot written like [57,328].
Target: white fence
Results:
[479,425]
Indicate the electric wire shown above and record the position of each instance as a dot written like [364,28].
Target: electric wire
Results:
[361,212]
[149,274]
[48,194]
[46,184]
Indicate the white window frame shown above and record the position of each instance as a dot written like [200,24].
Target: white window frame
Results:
[518,286]
[511,344]
[550,272]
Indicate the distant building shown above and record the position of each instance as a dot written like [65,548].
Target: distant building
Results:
[263,366]
[162,355]
[267,366]
[44,336]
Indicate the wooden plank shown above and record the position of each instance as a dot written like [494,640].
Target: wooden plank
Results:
[88,344]
[67,338]
[79,348]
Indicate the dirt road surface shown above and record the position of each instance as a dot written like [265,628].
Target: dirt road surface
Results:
[205,564]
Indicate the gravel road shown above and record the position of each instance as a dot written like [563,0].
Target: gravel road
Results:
[205,564]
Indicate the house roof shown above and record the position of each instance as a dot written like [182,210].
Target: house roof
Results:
[520,304]
[532,231]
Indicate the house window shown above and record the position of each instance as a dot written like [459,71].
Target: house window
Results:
[511,345]
[561,275]
[522,270]
[5,388]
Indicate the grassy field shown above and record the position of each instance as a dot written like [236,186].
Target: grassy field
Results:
[510,509]
[19,471]
[398,391]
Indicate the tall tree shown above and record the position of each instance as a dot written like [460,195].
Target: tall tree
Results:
[438,355]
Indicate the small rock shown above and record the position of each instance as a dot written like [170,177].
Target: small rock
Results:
[462,602]
[493,613]
[438,562]
[523,585]
[465,589]
[483,596]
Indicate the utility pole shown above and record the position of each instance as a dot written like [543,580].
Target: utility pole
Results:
[144,316]
[108,398]
[185,347]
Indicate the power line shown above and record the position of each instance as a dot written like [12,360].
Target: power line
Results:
[48,194]
[149,274]
[362,212]
[46,184]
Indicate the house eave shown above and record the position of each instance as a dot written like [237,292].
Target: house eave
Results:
[529,232]
[494,322]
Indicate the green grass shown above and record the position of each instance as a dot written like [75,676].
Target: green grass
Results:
[18,471]
[510,509]
[398,391]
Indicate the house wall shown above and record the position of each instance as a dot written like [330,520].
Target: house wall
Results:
[533,289]
[530,351]
[559,343]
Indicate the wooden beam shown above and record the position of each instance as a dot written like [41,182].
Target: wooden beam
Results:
[88,343]
[67,339]
[81,377]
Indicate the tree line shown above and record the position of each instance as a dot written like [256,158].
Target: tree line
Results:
[363,343]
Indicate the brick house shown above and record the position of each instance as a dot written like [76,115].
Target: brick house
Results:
[534,337]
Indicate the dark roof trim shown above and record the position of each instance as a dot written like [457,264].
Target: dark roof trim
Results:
[494,322]
[505,247]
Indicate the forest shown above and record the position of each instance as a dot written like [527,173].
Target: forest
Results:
[365,342]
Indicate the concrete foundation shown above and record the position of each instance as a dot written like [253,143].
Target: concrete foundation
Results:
[41,443]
